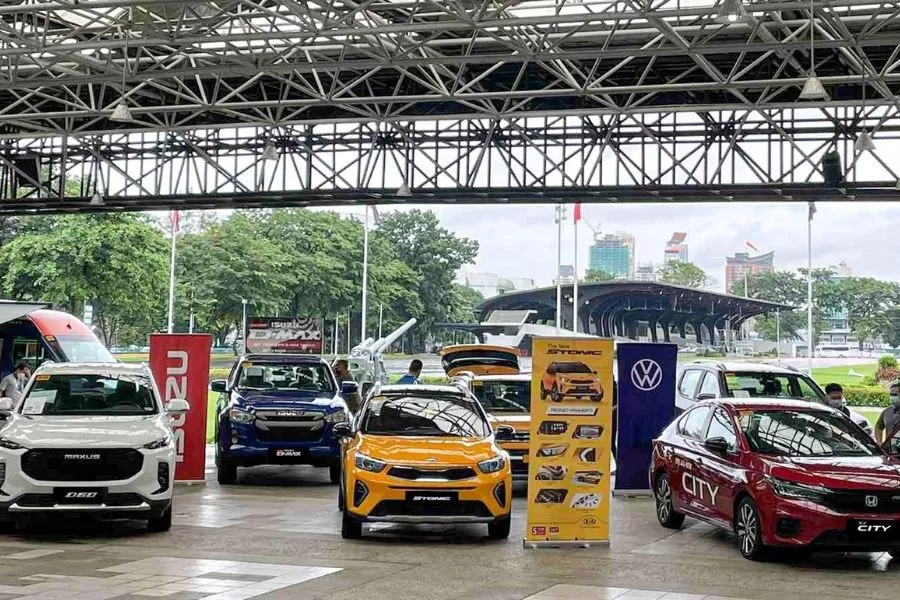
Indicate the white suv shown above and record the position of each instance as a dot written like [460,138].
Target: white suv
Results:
[90,439]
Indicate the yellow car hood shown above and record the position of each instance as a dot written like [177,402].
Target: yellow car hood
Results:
[427,450]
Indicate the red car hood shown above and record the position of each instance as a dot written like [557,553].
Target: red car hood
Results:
[845,472]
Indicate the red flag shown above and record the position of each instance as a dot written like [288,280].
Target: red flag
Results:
[751,246]
[577,211]
[175,227]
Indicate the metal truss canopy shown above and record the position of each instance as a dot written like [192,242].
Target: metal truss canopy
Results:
[461,100]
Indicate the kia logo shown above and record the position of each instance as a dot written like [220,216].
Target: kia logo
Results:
[871,501]
[81,457]
[646,374]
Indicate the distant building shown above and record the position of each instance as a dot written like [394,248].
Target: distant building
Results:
[491,284]
[645,272]
[676,250]
[566,275]
[613,253]
[836,324]
[739,264]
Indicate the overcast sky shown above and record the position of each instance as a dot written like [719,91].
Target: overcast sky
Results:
[520,241]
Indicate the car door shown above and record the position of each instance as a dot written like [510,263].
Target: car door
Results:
[721,473]
[687,388]
[687,458]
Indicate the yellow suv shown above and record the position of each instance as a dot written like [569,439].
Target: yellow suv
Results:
[564,380]
[423,454]
[507,400]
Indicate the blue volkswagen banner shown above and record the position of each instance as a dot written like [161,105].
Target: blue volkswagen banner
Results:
[646,404]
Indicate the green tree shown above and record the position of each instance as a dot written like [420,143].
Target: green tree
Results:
[684,274]
[869,303]
[596,276]
[435,254]
[117,263]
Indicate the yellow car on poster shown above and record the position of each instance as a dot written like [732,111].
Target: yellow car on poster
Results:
[570,380]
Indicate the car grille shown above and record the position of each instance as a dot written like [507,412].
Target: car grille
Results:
[518,466]
[47,500]
[520,437]
[855,501]
[266,433]
[293,415]
[82,465]
[448,474]
[464,508]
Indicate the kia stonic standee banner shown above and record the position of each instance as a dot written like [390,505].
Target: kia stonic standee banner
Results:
[646,405]
[273,335]
[180,365]
[571,418]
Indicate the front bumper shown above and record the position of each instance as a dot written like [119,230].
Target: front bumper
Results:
[241,445]
[378,497]
[578,390]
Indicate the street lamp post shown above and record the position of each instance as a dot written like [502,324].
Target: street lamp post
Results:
[380,318]
[365,278]
[244,322]
[809,289]
[560,215]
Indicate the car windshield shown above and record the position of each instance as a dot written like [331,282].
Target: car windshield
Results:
[438,415]
[804,433]
[283,376]
[771,385]
[572,368]
[84,349]
[82,394]
[504,396]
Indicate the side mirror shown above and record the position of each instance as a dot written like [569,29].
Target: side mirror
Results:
[6,404]
[342,430]
[218,385]
[504,433]
[717,445]
[178,405]
[348,388]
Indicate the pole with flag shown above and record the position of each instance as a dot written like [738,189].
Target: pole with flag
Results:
[810,344]
[575,302]
[172,273]
[560,215]
[746,325]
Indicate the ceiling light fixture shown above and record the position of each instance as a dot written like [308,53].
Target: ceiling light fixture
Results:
[813,88]
[403,191]
[270,152]
[121,113]
[731,11]
[864,142]
[97,200]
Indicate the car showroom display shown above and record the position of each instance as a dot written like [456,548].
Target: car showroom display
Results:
[780,473]
[279,409]
[424,454]
[89,439]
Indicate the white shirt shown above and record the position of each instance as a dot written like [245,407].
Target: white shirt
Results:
[12,387]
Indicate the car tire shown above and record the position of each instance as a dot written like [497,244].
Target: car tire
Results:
[334,472]
[748,527]
[161,522]
[351,528]
[341,502]
[666,514]
[226,472]
[554,394]
[499,529]
[543,392]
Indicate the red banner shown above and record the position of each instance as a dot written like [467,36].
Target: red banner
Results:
[180,365]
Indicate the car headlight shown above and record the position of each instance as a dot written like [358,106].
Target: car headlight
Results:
[10,445]
[338,416]
[157,444]
[367,463]
[800,491]
[492,465]
[240,416]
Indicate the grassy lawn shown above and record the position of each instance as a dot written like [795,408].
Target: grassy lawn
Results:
[845,375]
[211,416]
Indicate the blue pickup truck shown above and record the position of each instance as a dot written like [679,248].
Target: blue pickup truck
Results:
[277,409]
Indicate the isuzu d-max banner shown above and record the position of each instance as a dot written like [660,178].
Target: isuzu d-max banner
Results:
[180,366]
[274,335]
[571,418]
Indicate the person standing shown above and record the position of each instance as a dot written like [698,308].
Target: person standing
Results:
[13,384]
[415,370]
[341,370]
[888,426]
[834,397]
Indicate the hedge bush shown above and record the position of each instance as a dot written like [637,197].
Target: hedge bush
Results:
[867,396]
[887,361]
[219,374]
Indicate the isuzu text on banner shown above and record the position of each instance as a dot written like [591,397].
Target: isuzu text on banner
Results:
[180,365]
[646,406]
[274,335]
[571,418]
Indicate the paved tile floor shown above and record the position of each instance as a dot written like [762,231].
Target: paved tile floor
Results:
[276,536]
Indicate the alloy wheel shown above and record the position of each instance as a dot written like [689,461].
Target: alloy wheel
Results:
[747,529]
[663,499]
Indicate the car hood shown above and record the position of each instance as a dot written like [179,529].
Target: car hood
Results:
[430,451]
[76,432]
[844,472]
[317,401]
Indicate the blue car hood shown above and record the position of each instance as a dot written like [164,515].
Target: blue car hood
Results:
[264,399]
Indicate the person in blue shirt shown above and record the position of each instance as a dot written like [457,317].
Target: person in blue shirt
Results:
[415,369]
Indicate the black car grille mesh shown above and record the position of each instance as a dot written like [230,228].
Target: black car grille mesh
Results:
[82,465]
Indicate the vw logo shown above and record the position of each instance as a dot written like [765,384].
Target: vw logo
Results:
[871,501]
[646,374]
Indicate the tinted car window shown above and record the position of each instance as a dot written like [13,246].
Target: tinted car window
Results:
[438,415]
[720,426]
[689,382]
[273,376]
[804,433]
[770,385]
[692,422]
[71,394]
[710,385]
[504,396]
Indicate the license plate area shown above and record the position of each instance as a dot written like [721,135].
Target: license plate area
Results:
[432,498]
[289,455]
[873,530]
[80,495]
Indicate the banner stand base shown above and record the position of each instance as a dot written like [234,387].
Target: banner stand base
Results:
[565,544]
[632,493]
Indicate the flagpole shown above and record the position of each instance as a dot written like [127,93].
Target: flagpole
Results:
[577,215]
[172,275]
[559,223]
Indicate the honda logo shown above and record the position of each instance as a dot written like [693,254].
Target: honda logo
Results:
[871,501]
[646,374]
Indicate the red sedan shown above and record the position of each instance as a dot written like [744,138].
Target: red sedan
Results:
[778,473]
